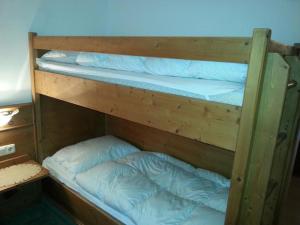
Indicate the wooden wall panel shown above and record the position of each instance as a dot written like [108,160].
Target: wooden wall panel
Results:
[151,139]
[64,124]
[19,131]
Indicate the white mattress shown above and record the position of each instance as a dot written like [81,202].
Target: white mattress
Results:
[60,173]
[212,90]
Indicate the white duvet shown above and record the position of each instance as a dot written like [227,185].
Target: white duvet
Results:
[149,188]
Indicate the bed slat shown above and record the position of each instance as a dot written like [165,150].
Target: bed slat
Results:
[198,48]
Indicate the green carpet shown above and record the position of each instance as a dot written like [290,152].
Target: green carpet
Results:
[43,213]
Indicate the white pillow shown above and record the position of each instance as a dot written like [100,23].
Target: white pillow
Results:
[111,61]
[61,56]
[85,155]
[234,72]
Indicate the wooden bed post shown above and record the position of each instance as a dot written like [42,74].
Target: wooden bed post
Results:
[260,121]
[260,40]
[264,142]
[35,97]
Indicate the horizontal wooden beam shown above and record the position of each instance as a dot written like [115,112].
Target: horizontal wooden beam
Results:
[204,121]
[227,49]
[14,160]
[282,49]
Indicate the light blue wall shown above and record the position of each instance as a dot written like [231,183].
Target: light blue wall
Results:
[15,20]
[18,17]
[71,17]
[129,17]
[202,17]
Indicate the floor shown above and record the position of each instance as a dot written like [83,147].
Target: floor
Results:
[40,213]
[291,210]
[46,213]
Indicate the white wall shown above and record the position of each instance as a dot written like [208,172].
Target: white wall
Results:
[129,17]
[52,17]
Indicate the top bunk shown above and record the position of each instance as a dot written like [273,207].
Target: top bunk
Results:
[215,121]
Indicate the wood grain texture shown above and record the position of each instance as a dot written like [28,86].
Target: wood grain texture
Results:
[33,53]
[290,125]
[14,160]
[208,122]
[23,140]
[199,48]
[19,131]
[264,139]
[284,50]
[252,93]
[64,124]
[191,151]
[78,206]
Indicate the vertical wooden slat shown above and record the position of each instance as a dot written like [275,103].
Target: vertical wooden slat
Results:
[260,160]
[35,96]
[292,119]
[260,40]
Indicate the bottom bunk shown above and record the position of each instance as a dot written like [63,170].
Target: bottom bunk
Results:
[137,187]
[81,210]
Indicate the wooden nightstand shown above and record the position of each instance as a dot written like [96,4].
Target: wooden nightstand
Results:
[23,159]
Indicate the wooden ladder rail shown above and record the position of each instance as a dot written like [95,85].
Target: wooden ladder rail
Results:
[33,53]
[285,151]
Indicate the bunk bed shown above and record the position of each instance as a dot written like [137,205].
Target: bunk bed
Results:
[250,143]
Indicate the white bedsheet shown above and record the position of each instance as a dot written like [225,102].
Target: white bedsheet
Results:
[212,90]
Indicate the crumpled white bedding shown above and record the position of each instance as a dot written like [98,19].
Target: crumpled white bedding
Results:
[149,188]
[212,90]
[224,71]
[213,81]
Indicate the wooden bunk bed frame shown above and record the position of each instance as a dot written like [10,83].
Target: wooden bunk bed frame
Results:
[251,144]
